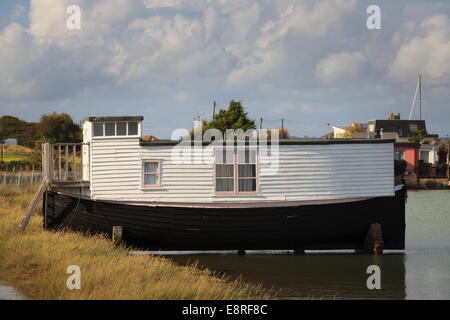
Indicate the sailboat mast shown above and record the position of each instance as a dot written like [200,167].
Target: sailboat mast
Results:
[420,97]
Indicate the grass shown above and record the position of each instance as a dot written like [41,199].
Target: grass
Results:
[35,262]
[16,153]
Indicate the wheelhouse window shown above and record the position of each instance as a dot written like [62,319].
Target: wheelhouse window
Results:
[98,129]
[151,173]
[121,128]
[110,129]
[115,129]
[132,128]
[235,171]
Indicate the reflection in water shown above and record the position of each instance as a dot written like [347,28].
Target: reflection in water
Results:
[9,293]
[311,275]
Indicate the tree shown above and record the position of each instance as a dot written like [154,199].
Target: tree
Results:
[350,131]
[25,132]
[442,153]
[416,135]
[59,128]
[234,117]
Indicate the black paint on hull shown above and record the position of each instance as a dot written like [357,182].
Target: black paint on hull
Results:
[312,226]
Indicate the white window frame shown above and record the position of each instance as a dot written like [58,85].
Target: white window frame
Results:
[401,153]
[158,173]
[235,164]
[103,124]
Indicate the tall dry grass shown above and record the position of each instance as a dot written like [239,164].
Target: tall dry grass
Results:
[36,261]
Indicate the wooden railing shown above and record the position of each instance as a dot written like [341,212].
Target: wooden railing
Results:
[63,162]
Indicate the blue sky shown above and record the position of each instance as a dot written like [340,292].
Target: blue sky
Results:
[310,62]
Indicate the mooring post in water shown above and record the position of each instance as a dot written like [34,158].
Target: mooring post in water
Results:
[374,240]
[117,234]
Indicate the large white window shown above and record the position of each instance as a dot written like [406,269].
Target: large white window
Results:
[235,171]
[151,173]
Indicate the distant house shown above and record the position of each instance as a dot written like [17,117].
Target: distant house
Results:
[356,131]
[9,142]
[408,151]
[428,153]
[402,127]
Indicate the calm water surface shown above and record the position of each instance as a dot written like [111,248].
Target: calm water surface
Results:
[421,272]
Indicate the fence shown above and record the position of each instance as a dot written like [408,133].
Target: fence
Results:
[63,161]
[20,179]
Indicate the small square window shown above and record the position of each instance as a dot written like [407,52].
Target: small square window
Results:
[98,129]
[110,129]
[121,128]
[399,155]
[132,128]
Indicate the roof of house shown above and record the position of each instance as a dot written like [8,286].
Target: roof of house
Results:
[401,126]
[316,141]
[389,135]
[113,118]
[360,135]
[415,145]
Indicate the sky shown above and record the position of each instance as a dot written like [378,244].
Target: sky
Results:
[311,62]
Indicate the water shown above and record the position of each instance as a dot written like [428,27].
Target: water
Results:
[421,272]
[10,293]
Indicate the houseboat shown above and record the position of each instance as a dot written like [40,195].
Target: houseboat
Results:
[223,195]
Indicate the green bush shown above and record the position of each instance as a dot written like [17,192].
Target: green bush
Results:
[399,167]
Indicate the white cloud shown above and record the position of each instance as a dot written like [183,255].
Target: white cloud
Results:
[339,67]
[424,49]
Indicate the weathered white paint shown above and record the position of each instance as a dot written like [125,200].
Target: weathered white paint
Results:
[306,172]
[87,133]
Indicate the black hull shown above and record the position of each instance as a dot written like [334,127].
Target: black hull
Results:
[322,226]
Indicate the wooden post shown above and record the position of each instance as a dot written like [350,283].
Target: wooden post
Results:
[66,164]
[374,240]
[73,161]
[448,163]
[4,179]
[117,234]
[59,162]
[2,151]
[47,160]
[32,174]
[18,180]
[31,208]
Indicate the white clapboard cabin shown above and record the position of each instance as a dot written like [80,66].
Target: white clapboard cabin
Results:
[120,166]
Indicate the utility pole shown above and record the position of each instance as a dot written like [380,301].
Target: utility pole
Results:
[420,97]
[214,110]
[260,123]
[448,161]
[282,125]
